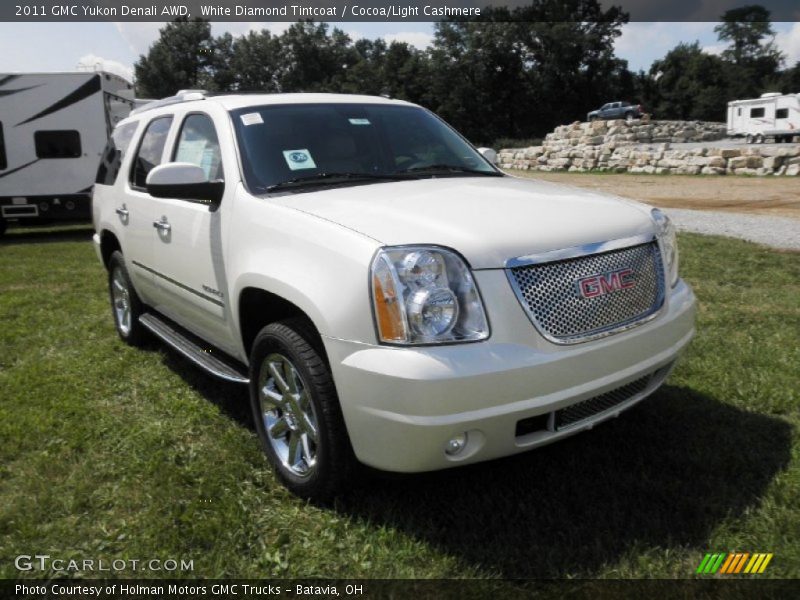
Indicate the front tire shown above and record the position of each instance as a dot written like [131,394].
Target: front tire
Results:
[126,307]
[296,412]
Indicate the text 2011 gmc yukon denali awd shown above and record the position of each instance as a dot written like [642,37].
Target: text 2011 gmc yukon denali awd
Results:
[388,295]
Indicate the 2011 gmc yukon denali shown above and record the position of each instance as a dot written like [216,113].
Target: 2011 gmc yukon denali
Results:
[386,293]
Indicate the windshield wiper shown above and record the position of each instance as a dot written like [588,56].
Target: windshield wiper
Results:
[327,178]
[443,168]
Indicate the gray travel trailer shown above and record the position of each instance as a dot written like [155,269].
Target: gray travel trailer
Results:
[53,129]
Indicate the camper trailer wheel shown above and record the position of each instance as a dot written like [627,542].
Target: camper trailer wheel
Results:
[748,139]
[759,139]
[126,306]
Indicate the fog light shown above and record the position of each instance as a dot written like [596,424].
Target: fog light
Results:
[456,445]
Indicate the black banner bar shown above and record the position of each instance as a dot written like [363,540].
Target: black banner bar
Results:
[366,589]
[396,11]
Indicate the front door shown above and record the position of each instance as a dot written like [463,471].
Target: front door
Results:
[188,253]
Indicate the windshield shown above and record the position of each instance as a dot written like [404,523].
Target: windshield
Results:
[292,147]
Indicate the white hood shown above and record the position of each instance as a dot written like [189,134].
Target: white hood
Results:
[487,219]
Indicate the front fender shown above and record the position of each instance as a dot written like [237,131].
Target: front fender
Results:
[317,265]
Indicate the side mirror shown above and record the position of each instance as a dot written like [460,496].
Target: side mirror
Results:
[184,181]
[489,155]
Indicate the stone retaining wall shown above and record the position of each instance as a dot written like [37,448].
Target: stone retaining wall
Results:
[645,147]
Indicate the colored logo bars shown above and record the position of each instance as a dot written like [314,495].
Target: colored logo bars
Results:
[733,563]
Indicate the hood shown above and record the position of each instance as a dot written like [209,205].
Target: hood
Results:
[487,219]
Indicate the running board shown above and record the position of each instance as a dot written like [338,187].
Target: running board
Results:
[190,347]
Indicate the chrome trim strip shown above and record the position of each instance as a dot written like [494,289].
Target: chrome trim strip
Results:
[577,251]
[585,250]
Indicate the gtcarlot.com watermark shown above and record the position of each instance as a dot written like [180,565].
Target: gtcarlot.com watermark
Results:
[51,564]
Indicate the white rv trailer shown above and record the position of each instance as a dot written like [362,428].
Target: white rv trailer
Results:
[773,115]
[53,128]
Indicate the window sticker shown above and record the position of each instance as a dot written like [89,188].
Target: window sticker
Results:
[359,122]
[299,159]
[252,119]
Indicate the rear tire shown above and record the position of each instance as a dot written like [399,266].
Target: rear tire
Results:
[126,307]
[629,117]
[296,412]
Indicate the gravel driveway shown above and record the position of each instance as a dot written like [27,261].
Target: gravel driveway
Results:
[777,232]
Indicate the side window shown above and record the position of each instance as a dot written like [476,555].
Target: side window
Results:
[782,113]
[198,144]
[3,161]
[151,149]
[738,112]
[113,154]
[756,113]
[57,144]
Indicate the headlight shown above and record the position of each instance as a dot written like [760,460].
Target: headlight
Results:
[669,244]
[425,295]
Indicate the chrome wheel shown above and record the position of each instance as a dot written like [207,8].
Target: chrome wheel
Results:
[288,415]
[121,300]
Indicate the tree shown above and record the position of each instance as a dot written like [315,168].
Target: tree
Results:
[315,61]
[745,29]
[183,57]
[690,84]
[753,59]
[256,62]
[521,72]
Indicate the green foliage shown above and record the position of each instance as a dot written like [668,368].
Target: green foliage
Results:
[689,84]
[515,73]
[184,57]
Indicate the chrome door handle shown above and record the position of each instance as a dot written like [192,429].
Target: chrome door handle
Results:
[122,212]
[162,225]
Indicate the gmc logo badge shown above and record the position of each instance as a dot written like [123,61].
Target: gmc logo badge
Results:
[605,283]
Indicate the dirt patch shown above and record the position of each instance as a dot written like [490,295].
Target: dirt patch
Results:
[776,196]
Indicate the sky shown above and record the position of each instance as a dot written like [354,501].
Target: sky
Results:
[36,47]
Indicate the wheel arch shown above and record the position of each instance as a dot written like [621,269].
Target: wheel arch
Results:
[258,308]
[108,245]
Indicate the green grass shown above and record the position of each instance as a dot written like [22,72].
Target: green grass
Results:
[111,452]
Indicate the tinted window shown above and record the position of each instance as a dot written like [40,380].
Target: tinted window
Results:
[3,162]
[286,142]
[113,154]
[198,145]
[755,113]
[57,144]
[151,149]
[782,113]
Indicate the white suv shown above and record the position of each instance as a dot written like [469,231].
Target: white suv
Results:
[388,295]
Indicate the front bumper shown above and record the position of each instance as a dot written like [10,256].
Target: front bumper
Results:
[402,405]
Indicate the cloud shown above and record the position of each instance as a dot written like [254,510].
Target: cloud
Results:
[789,44]
[641,43]
[139,36]
[418,39]
[715,49]
[98,63]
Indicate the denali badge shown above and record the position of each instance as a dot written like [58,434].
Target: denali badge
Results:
[605,283]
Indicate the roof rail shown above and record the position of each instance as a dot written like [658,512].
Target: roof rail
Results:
[181,96]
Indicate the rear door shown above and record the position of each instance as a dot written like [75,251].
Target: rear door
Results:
[137,209]
[188,252]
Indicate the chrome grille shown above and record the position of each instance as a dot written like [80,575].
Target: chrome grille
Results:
[550,294]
